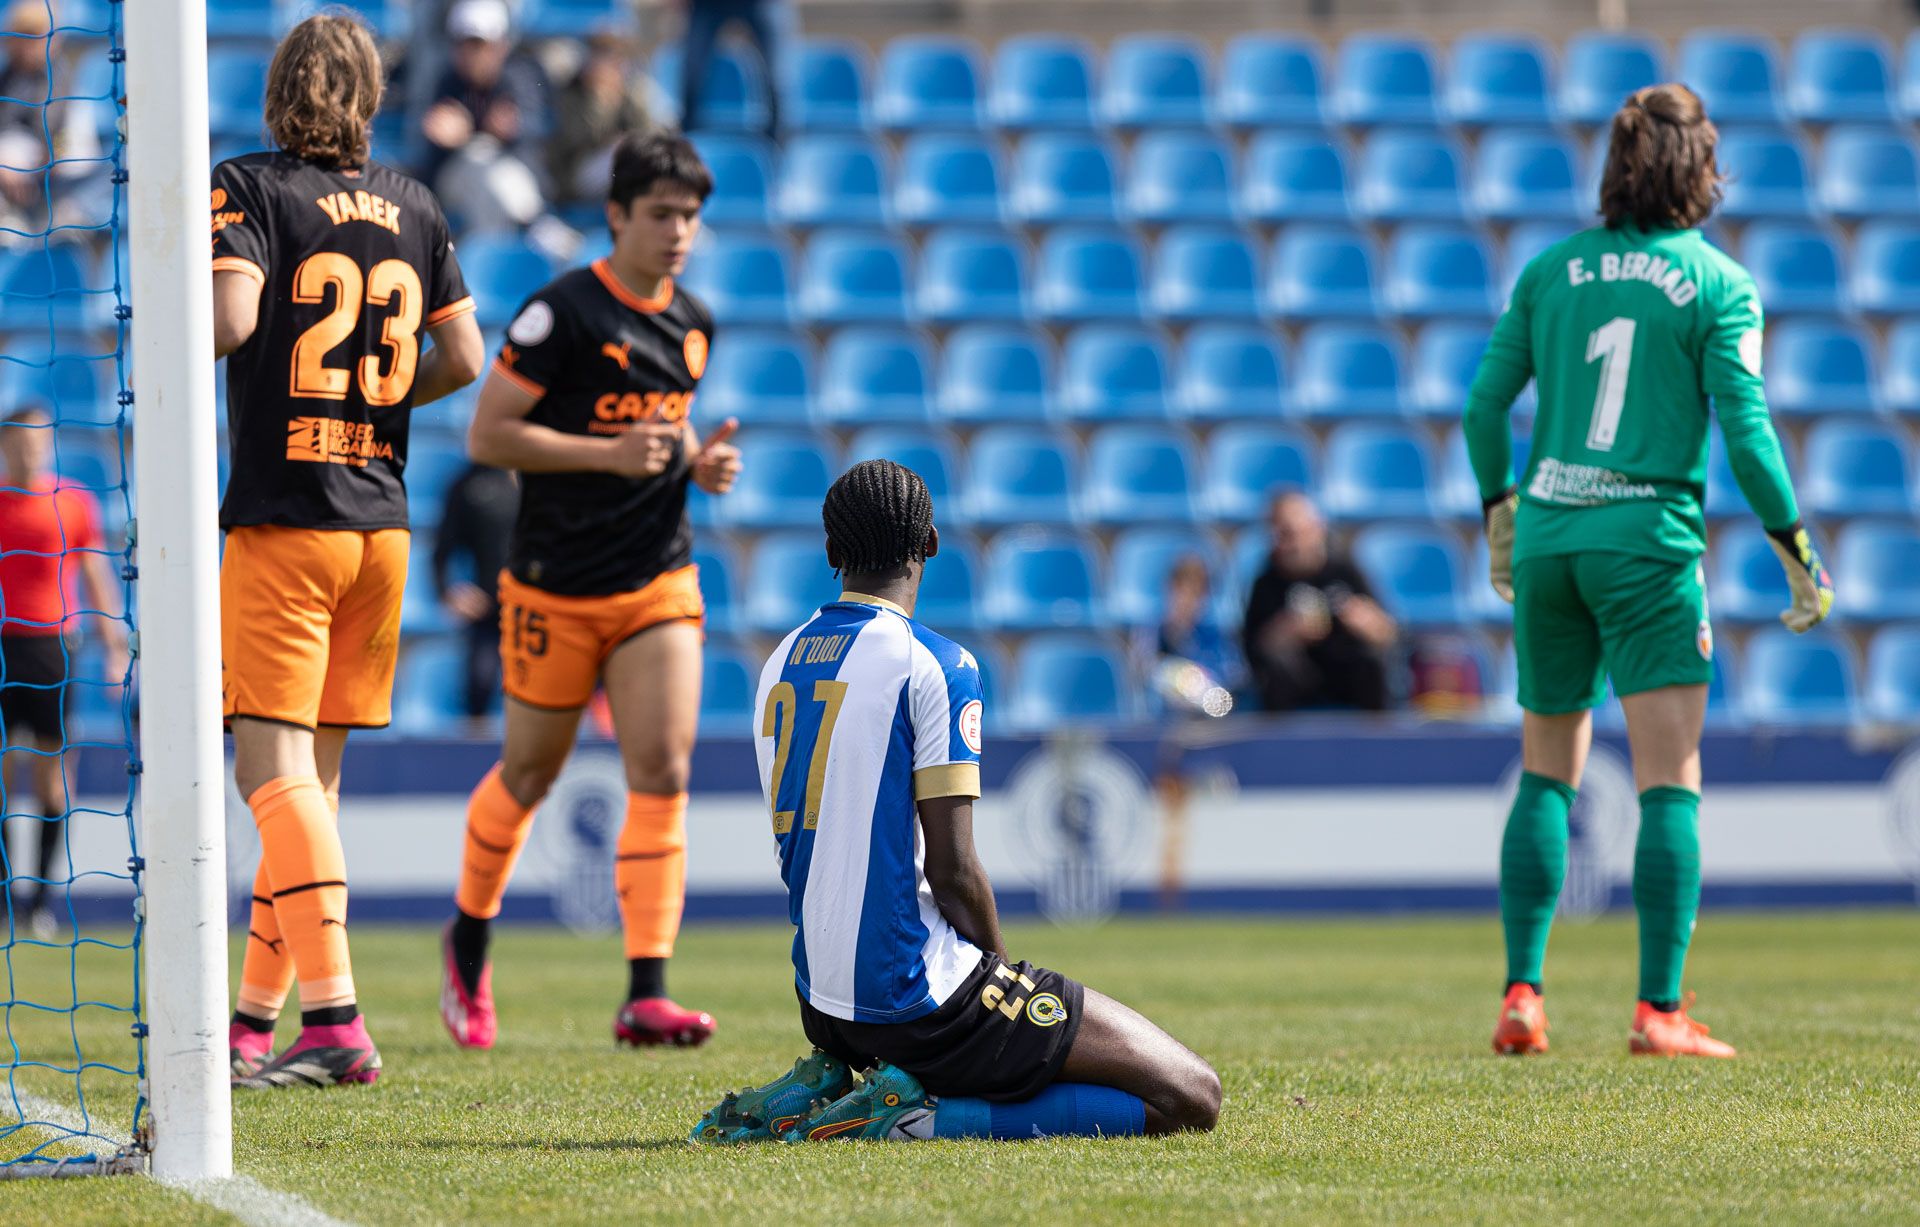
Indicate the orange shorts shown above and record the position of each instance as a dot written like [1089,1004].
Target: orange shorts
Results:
[310,624]
[552,647]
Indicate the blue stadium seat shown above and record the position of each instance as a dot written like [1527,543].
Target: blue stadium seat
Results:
[1870,173]
[743,277]
[1439,270]
[1377,472]
[874,375]
[833,180]
[1269,80]
[825,86]
[1794,679]
[1599,69]
[1138,566]
[1065,681]
[1723,498]
[1204,272]
[1736,74]
[1410,176]
[990,373]
[1796,266]
[969,275]
[1317,271]
[1248,463]
[720,585]
[1294,176]
[69,382]
[853,276]
[429,686]
[1520,175]
[1022,475]
[237,83]
[734,96]
[1348,370]
[1446,355]
[1179,176]
[1110,372]
[1893,676]
[1139,474]
[60,286]
[235,19]
[932,454]
[790,578]
[726,691]
[759,376]
[1062,177]
[1901,388]
[432,465]
[420,610]
[1841,76]
[1456,496]
[573,18]
[928,81]
[743,179]
[947,178]
[1042,81]
[1909,101]
[949,589]
[1385,79]
[1524,242]
[1744,579]
[783,486]
[1037,579]
[1231,371]
[1880,560]
[1418,574]
[1885,268]
[1497,79]
[1814,366]
[1766,175]
[503,272]
[95,465]
[1155,80]
[1088,273]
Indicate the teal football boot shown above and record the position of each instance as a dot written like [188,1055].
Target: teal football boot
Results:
[758,1114]
[890,1105]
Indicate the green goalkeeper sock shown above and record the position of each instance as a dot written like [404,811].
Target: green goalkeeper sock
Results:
[1533,864]
[1666,887]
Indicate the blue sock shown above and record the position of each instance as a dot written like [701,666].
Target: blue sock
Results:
[1065,1109]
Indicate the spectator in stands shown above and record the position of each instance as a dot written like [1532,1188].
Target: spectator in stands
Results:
[487,123]
[475,524]
[595,109]
[36,131]
[761,19]
[1314,635]
[44,526]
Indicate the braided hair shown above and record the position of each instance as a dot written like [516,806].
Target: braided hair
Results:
[879,517]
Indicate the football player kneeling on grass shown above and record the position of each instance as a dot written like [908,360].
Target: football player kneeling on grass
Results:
[869,750]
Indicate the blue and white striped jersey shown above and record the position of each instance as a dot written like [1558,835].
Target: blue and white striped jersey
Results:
[860,713]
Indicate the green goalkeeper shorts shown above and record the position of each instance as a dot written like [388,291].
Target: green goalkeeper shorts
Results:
[1578,618]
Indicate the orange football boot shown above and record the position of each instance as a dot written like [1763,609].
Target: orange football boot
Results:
[1523,1023]
[1656,1034]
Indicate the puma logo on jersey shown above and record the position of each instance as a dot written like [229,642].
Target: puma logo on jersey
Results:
[618,352]
[344,207]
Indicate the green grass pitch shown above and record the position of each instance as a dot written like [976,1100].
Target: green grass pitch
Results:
[1359,1083]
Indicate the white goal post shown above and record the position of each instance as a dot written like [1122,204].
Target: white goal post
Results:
[182,785]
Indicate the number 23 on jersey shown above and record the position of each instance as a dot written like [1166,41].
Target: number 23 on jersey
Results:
[390,283]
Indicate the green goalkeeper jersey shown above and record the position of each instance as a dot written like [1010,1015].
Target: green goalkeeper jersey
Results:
[1632,337]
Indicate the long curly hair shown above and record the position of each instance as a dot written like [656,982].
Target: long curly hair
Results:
[1660,167]
[323,87]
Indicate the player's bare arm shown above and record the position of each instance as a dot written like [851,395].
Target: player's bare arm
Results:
[456,359]
[959,880]
[236,310]
[500,435]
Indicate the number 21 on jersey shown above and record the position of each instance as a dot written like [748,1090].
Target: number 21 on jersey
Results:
[1611,345]
[783,707]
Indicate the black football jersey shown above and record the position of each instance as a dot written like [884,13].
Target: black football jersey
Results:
[354,267]
[602,359]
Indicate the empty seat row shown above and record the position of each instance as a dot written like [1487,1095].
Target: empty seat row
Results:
[1267,79]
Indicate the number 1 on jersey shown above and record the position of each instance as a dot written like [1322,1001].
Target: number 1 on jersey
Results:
[783,705]
[1611,345]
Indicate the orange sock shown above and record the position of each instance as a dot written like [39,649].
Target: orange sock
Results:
[300,845]
[497,828]
[650,873]
[266,972]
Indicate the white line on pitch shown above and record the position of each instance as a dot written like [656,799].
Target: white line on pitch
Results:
[243,1197]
